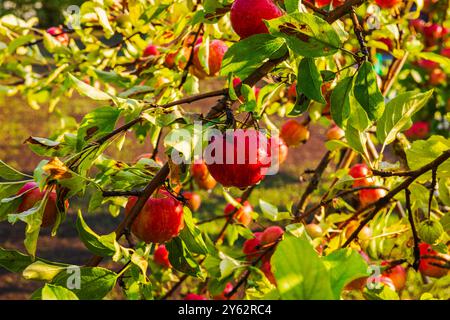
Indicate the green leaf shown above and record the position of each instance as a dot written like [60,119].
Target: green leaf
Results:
[9,173]
[271,212]
[54,292]
[292,5]
[444,191]
[88,90]
[423,152]
[14,261]
[181,258]
[309,80]
[18,42]
[367,93]
[398,113]
[103,246]
[10,201]
[40,270]
[191,235]
[344,266]
[247,55]
[443,61]
[94,283]
[306,34]
[299,272]
[97,123]
[301,105]
[356,139]
[340,101]
[33,218]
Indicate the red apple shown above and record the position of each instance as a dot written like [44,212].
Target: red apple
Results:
[193,296]
[193,200]
[387,4]
[323,3]
[252,247]
[223,296]
[419,130]
[161,256]
[432,31]
[294,133]
[243,214]
[428,265]
[239,158]
[335,133]
[382,280]
[369,196]
[151,50]
[160,219]
[280,148]
[427,64]
[266,268]
[446,52]
[418,24]
[437,77]
[360,173]
[59,34]
[202,177]
[271,234]
[292,92]
[397,274]
[183,59]
[217,49]
[31,195]
[247,16]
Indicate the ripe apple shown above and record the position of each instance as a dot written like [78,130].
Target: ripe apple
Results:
[193,296]
[243,214]
[335,133]
[183,59]
[397,274]
[445,52]
[271,235]
[280,148]
[59,34]
[323,3]
[294,133]
[418,24]
[266,268]
[314,230]
[247,16]
[427,64]
[193,200]
[437,77]
[387,4]
[360,173]
[252,247]
[239,158]
[161,256]
[228,288]
[160,219]
[31,195]
[383,280]
[432,31]
[419,130]
[368,196]
[428,265]
[202,177]
[151,50]
[217,50]
[292,92]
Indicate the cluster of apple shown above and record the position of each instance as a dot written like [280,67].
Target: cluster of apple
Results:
[362,175]
[394,276]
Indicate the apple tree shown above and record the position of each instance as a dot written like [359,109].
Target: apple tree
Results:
[373,221]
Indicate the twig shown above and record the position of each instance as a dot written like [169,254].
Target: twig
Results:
[432,190]
[359,32]
[136,193]
[413,229]
[313,184]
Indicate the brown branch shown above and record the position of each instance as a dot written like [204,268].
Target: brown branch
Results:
[413,229]
[313,184]
[136,193]
[359,32]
